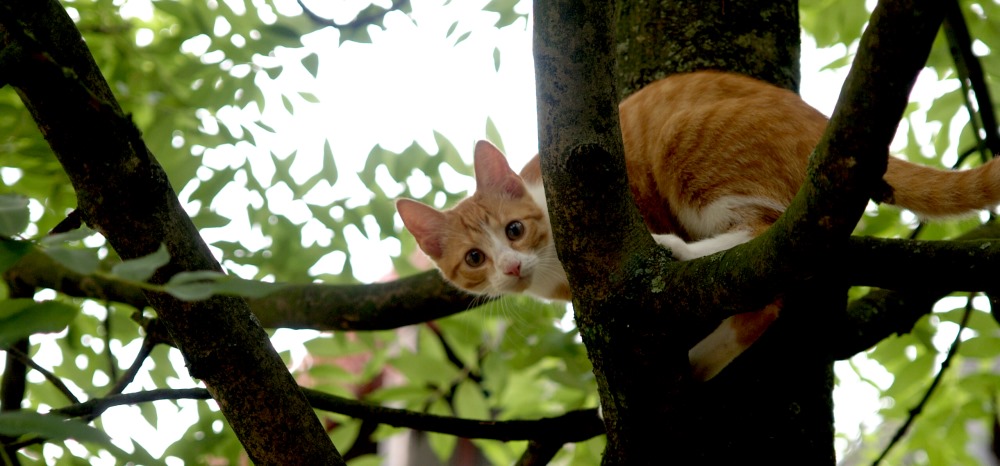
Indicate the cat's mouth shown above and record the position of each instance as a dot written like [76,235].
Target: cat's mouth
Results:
[519,283]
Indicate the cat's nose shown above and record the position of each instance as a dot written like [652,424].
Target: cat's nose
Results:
[513,268]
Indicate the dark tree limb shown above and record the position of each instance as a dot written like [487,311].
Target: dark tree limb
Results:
[574,426]
[13,382]
[124,194]
[26,360]
[938,265]
[970,72]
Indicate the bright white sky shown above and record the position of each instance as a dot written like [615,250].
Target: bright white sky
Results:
[410,82]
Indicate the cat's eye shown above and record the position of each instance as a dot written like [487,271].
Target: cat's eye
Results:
[475,258]
[514,230]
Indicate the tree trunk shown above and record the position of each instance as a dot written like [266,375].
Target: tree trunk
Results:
[774,403]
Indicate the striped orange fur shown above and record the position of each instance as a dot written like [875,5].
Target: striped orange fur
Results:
[713,159]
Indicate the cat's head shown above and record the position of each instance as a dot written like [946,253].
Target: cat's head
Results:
[497,241]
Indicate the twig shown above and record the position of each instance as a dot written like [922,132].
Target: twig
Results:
[106,325]
[916,410]
[147,347]
[21,356]
[970,72]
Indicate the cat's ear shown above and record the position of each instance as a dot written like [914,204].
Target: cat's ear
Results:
[493,173]
[425,223]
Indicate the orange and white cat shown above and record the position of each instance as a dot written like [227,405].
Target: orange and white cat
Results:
[713,159]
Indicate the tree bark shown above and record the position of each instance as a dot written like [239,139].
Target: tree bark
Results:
[774,402]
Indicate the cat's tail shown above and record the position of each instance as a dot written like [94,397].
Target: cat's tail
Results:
[733,336]
[934,193]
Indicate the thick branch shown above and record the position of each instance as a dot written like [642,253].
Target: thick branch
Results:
[935,266]
[124,194]
[881,313]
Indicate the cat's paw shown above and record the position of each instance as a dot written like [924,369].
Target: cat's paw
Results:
[686,251]
[678,247]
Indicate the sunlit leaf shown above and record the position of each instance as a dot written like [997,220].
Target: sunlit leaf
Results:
[470,402]
[980,347]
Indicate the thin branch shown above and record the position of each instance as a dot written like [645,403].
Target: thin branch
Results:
[24,358]
[147,347]
[13,384]
[95,407]
[970,72]
[106,327]
[919,408]
[574,426]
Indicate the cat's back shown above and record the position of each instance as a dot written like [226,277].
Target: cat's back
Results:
[691,139]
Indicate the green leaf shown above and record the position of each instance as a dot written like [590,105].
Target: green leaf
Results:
[14,216]
[55,427]
[59,239]
[329,171]
[81,261]
[493,134]
[496,58]
[506,10]
[311,63]
[141,269]
[50,426]
[442,445]
[469,401]
[20,318]
[980,347]
[185,278]
[462,38]
[12,251]
[309,97]
[203,284]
